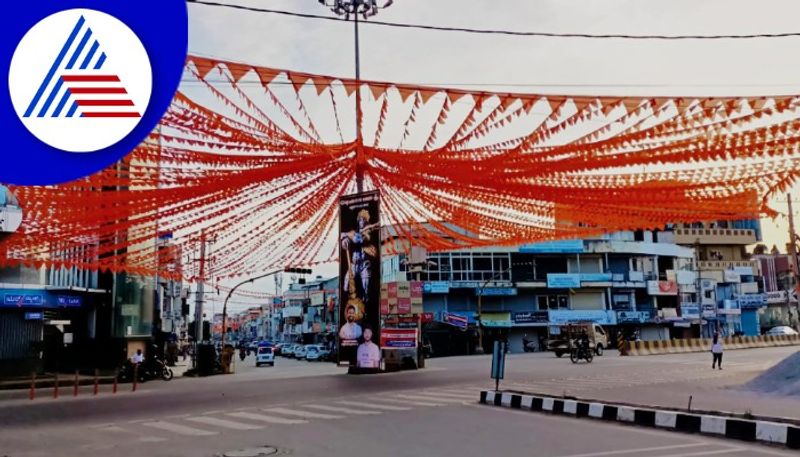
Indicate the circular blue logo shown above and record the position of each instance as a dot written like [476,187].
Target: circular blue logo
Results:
[88,80]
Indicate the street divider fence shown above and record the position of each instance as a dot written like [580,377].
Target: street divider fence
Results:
[679,346]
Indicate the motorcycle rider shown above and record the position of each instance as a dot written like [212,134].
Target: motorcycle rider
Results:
[242,353]
[583,343]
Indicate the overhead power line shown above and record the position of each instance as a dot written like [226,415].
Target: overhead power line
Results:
[504,32]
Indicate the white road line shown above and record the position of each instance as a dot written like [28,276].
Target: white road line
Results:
[373,405]
[430,398]
[179,429]
[268,419]
[407,402]
[640,450]
[343,410]
[152,439]
[301,413]
[719,451]
[466,397]
[233,425]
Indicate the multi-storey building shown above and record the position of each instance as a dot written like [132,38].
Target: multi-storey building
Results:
[730,299]
[780,288]
[628,281]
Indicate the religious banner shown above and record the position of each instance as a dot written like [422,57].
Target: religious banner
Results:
[359,280]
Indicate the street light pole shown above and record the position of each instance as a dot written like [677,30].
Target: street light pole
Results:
[225,304]
[365,8]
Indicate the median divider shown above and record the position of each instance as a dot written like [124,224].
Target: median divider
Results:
[680,346]
[754,430]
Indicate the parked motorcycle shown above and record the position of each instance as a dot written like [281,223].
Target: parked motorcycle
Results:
[152,369]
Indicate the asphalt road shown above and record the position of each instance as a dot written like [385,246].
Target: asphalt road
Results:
[314,409]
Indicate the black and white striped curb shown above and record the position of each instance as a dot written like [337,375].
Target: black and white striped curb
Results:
[740,429]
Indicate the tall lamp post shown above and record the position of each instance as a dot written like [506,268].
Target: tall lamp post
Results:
[365,9]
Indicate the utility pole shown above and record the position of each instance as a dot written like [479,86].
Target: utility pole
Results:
[198,304]
[793,257]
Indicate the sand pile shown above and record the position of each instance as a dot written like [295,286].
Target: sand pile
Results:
[782,379]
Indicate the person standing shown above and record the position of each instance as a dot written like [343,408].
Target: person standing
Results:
[716,352]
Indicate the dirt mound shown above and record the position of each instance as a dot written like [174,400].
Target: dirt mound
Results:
[782,379]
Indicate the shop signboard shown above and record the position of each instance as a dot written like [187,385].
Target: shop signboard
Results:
[563,280]
[23,299]
[745,271]
[464,285]
[751,301]
[496,291]
[554,247]
[709,310]
[436,287]
[317,298]
[596,277]
[456,320]
[690,311]
[601,317]
[730,311]
[398,338]
[34,316]
[685,277]
[427,318]
[531,317]
[778,296]
[404,305]
[662,287]
[632,317]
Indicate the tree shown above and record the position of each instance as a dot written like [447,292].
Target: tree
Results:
[760,249]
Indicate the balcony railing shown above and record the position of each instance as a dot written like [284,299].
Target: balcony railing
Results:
[727,264]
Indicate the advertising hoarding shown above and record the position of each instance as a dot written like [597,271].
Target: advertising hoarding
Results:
[563,280]
[662,287]
[359,280]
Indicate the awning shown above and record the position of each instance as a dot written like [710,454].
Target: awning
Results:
[502,320]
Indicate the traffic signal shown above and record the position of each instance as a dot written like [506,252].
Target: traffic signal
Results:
[302,271]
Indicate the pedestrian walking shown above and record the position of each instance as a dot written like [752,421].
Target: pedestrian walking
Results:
[716,352]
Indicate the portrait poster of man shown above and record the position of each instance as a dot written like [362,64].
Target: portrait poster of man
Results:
[359,280]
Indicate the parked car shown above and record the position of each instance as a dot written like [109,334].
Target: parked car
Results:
[300,351]
[265,355]
[288,350]
[316,352]
[278,348]
[781,330]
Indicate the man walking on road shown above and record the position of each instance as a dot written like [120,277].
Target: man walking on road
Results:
[716,352]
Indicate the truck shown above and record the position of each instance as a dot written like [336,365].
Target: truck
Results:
[561,338]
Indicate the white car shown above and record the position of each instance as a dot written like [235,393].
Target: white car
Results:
[782,330]
[265,356]
[300,351]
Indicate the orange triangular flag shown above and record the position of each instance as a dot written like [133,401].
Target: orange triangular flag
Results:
[238,70]
[266,75]
[349,86]
[298,80]
[555,104]
[376,89]
[203,65]
[321,83]
[426,94]
[405,92]
[631,104]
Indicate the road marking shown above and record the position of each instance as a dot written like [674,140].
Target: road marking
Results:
[407,402]
[640,450]
[224,423]
[377,406]
[301,413]
[466,397]
[719,451]
[339,409]
[431,398]
[152,439]
[179,429]
[265,418]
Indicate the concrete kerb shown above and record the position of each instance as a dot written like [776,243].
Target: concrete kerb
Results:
[704,344]
[709,423]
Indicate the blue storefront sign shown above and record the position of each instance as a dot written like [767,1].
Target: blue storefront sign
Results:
[602,317]
[34,316]
[750,301]
[531,317]
[455,320]
[563,280]
[436,287]
[596,277]
[23,300]
[552,247]
[496,291]
[69,301]
[632,317]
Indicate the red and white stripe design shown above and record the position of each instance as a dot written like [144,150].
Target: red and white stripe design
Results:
[100,95]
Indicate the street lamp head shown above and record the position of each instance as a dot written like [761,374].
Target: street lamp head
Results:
[366,8]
